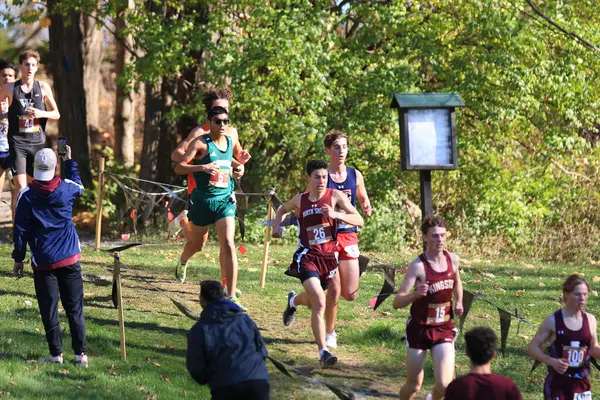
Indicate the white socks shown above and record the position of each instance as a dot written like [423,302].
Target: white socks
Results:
[324,349]
[292,301]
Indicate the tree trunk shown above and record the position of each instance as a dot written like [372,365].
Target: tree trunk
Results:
[124,123]
[149,162]
[169,133]
[92,61]
[67,72]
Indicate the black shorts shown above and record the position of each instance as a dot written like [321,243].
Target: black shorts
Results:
[4,160]
[22,156]
[306,265]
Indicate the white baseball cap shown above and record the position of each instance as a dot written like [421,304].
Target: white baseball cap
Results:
[44,165]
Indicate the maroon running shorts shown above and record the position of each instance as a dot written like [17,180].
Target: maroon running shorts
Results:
[424,337]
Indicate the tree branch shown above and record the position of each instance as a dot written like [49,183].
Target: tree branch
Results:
[572,35]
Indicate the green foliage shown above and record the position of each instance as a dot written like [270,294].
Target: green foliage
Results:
[527,139]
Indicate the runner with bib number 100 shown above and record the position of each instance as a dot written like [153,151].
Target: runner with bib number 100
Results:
[573,337]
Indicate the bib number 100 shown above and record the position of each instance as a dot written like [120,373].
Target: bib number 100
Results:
[575,355]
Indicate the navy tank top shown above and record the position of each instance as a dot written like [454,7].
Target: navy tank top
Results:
[21,127]
[349,188]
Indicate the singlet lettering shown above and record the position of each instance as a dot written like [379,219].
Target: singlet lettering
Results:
[441,285]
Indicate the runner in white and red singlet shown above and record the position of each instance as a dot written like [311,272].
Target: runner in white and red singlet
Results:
[573,337]
[435,277]
[315,261]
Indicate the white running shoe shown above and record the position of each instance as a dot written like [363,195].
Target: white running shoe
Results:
[81,360]
[331,340]
[428,396]
[52,359]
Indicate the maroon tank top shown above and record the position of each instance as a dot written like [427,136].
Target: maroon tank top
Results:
[573,346]
[317,233]
[435,309]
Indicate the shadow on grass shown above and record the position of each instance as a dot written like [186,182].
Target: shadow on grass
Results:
[146,326]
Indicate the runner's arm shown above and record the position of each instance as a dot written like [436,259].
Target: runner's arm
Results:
[52,112]
[351,216]
[196,148]
[179,152]
[293,204]
[405,297]
[361,194]
[458,288]
[594,347]
[543,335]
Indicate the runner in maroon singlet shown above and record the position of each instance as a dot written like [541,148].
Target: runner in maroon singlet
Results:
[573,338]
[315,261]
[481,383]
[435,277]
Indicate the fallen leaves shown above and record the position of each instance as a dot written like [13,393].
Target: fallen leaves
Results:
[515,277]
[596,279]
[113,369]
[64,372]
[541,284]
[27,303]
[9,340]
[165,378]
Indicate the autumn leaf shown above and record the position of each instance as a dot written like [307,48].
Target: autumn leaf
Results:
[112,369]
[165,378]
[63,371]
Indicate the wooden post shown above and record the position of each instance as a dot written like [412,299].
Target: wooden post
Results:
[117,277]
[426,198]
[99,202]
[263,271]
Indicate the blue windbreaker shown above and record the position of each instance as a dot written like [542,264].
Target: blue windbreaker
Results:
[45,221]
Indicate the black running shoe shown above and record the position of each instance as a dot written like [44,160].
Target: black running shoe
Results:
[289,315]
[328,359]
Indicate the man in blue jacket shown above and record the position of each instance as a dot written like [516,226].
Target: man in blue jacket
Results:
[225,349]
[44,220]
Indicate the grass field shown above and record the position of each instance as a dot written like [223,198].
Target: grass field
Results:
[371,349]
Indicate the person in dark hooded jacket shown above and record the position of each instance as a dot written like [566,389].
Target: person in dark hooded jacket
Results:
[44,220]
[225,349]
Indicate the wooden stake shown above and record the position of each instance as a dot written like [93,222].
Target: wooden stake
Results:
[263,272]
[117,277]
[99,201]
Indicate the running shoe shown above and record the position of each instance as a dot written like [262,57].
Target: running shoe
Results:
[289,315]
[328,359]
[235,301]
[81,360]
[180,271]
[331,340]
[52,359]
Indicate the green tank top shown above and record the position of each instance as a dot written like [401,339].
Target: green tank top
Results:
[219,185]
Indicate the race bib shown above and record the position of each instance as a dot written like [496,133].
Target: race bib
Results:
[28,124]
[319,234]
[438,313]
[575,356]
[220,179]
[583,396]
[3,131]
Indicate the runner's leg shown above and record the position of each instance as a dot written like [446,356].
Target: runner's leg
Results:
[443,368]
[345,285]
[196,241]
[414,373]
[315,297]
[227,256]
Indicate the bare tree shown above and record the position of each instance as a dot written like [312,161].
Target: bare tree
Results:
[124,123]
